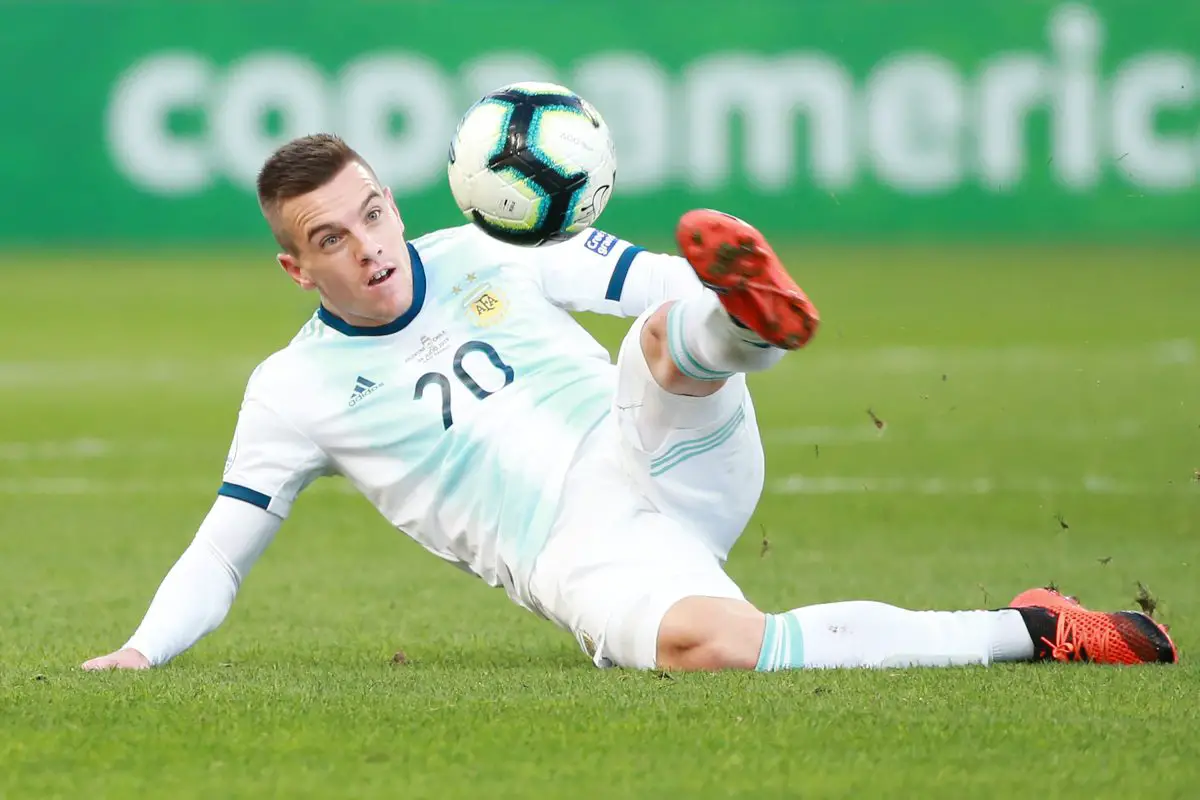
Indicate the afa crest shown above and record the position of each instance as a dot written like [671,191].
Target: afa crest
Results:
[486,305]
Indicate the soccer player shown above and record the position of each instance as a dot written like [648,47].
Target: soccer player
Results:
[445,379]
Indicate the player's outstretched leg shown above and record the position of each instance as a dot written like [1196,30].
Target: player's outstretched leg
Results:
[753,313]
[704,633]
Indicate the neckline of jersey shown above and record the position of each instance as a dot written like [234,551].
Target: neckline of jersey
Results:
[399,323]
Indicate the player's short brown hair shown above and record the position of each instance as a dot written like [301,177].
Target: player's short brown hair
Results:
[299,167]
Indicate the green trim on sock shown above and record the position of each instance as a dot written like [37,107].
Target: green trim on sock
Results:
[783,644]
[766,656]
[685,362]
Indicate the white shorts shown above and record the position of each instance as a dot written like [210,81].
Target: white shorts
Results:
[658,496]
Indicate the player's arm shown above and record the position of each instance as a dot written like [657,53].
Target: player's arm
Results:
[595,271]
[199,590]
[269,463]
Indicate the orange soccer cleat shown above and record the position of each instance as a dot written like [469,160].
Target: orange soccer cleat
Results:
[1046,597]
[1064,630]
[734,260]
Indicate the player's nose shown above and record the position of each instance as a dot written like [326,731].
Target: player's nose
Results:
[369,250]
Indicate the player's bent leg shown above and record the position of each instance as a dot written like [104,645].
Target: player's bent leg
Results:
[698,457]
[652,389]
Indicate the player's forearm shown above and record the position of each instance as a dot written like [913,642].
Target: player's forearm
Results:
[197,593]
[191,602]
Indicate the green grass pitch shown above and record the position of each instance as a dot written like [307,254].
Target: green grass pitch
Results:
[1040,412]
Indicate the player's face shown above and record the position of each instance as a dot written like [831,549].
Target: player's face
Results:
[349,245]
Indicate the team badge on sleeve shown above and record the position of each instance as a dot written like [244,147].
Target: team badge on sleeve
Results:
[601,243]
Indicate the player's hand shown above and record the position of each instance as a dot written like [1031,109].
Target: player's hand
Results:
[121,659]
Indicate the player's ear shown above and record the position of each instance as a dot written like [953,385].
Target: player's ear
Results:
[289,264]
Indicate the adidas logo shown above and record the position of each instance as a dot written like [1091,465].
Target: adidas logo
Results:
[362,389]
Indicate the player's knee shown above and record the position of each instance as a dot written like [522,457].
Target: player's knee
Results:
[710,633]
[662,367]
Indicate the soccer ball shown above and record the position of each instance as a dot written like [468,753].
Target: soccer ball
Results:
[532,164]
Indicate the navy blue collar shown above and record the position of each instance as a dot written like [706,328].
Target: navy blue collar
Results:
[399,323]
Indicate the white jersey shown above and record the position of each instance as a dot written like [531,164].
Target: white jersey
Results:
[459,420]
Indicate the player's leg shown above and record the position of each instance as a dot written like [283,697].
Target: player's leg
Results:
[698,458]
[648,590]
[705,633]
[641,589]
[682,399]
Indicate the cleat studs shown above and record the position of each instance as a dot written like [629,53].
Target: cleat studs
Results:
[724,262]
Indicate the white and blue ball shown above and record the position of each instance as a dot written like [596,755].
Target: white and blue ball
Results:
[532,164]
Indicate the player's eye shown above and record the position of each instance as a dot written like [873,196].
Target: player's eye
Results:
[329,241]
[374,214]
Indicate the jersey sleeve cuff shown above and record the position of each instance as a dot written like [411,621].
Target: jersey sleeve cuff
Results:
[267,503]
[621,271]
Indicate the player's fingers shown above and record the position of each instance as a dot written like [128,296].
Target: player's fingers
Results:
[121,659]
[103,662]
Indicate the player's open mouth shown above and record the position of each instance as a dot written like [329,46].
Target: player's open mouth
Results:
[381,276]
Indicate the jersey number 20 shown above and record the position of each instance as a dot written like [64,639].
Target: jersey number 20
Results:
[443,383]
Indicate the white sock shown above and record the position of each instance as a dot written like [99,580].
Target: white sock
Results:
[868,634]
[707,345]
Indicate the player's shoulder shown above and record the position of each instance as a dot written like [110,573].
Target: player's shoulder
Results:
[273,374]
[466,250]
[279,372]
[454,242]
